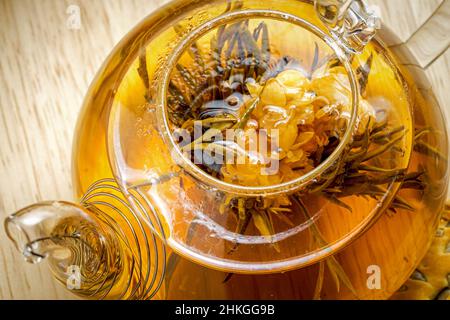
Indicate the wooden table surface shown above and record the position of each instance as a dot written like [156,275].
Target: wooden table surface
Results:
[46,68]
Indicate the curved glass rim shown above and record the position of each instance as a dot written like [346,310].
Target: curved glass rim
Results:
[210,181]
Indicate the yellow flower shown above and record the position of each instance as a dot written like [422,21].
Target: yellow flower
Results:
[295,84]
[273,93]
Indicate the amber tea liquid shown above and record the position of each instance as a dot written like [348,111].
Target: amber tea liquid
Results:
[392,235]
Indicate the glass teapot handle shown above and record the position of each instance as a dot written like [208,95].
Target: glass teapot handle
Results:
[87,250]
[350,22]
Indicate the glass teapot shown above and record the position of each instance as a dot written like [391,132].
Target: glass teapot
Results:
[337,199]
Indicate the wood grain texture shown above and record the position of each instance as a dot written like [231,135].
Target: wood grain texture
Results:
[405,16]
[430,41]
[45,70]
[438,74]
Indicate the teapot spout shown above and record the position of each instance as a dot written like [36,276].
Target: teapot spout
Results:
[32,229]
[79,249]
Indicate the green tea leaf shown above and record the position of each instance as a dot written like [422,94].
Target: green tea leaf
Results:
[339,274]
[264,224]
[319,281]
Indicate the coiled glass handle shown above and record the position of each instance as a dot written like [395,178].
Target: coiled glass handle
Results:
[99,249]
